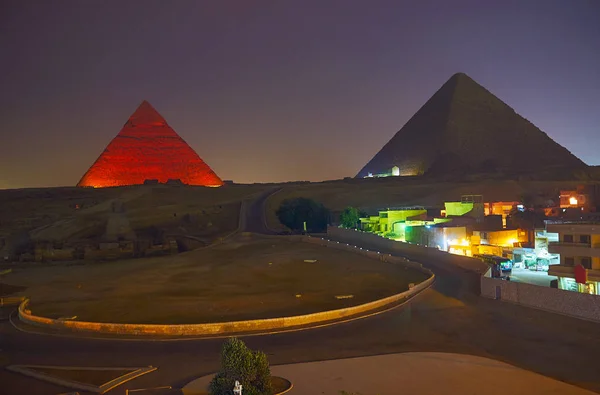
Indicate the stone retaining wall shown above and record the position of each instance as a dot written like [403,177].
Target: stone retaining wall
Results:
[556,300]
[410,251]
[221,328]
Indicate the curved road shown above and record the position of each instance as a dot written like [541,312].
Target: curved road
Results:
[450,317]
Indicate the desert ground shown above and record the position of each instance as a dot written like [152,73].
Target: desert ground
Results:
[245,279]
[76,215]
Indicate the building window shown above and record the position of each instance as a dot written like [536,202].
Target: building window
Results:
[586,262]
[568,238]
[569,261]
[584,239]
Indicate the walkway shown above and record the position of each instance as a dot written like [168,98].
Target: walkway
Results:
[411,373]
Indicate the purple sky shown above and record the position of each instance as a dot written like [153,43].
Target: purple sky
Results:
[279,90]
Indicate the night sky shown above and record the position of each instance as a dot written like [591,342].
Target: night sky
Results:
[269,91]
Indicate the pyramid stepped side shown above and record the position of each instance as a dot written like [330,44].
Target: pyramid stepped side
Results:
[464,127]
[414,147]
[147,148]
[487,134]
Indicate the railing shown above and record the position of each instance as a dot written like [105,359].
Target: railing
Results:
[562,269]
[593,221]
[569,244]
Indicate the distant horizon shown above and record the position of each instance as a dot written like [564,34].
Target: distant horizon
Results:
[267,92]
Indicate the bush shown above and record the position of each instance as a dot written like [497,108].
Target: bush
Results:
[294,212]
[250,368]
[349,217]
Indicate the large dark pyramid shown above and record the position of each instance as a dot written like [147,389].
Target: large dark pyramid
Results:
[465,128]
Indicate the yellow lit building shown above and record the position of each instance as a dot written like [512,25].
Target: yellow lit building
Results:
[500,208]
[502,238]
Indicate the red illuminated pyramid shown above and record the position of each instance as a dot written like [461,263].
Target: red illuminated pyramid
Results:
[147,148]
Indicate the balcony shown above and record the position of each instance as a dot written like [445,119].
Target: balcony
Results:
[569,271]
[574,249]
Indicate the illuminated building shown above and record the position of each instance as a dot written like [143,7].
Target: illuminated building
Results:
[579,248]
[393,221]
[393,172]
[574,199]
[469,205]
[147,149]
[500,208]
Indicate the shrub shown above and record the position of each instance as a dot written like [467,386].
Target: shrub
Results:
[294,212]
[250,368]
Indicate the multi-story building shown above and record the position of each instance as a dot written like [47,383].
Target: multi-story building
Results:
[500,208]
[578,198]
[579,248]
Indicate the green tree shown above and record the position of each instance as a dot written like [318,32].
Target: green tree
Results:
[250,368]
[349,217]
[294,212]
[528,219]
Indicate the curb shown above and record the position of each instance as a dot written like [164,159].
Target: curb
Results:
[191,392]
[241,335]
[109,385]
[249,326]
[11,301]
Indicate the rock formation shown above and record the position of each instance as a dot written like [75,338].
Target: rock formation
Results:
[463,128]
[147,148]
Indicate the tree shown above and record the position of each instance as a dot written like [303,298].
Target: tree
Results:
[528,219]
[349,217]
[250,368]
[294,212]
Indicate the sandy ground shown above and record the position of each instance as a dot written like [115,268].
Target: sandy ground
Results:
[54,208]
[415,373]
[244,279]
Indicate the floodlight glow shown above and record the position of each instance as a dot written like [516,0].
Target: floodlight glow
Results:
[573,201]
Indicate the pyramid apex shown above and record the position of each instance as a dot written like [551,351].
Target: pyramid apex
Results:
[146,114]
[460,76]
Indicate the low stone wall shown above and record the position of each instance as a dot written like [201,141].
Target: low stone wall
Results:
[234,327]
[544,298]
[556,300]
[410,251]
[11,301]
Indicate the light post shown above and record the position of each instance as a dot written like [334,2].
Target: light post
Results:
[237,388]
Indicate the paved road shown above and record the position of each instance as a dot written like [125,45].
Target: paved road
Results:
[255,220]
[450,317]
